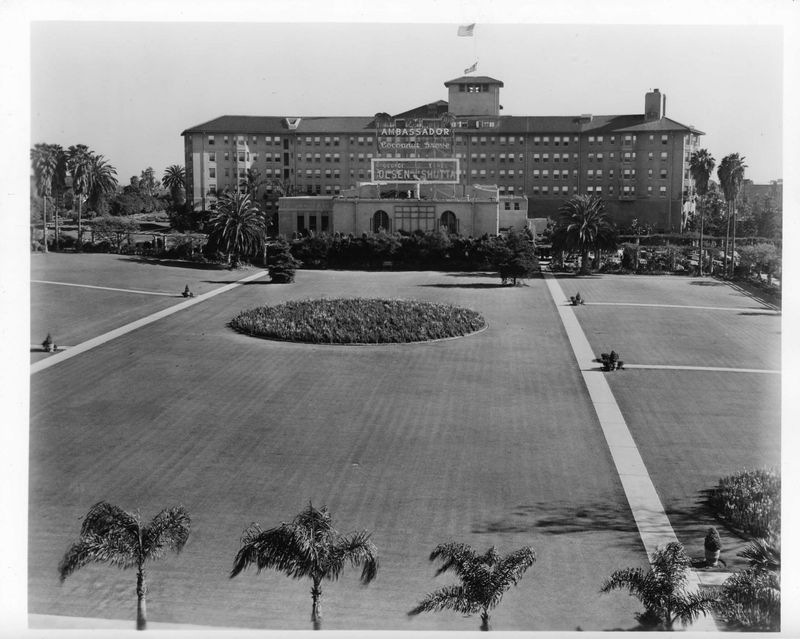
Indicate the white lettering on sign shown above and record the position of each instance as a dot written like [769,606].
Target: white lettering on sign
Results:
[415,131]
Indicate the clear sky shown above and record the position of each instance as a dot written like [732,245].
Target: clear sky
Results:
[128,89]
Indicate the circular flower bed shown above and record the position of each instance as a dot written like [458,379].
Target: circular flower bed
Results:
[358,321]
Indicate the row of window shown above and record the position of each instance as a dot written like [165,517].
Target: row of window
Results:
[242,139]
[626,190]
[557,140]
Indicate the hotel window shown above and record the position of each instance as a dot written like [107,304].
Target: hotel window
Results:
[316,140]
[225,139]
[459,140]
[536,174]
[502,172]
[649,190]
[360,157]
[336,173]
[511,172]
[663,174]
[611,155]
[240,139]
[611,173]
[241,156]
[565,189]
[556,157]
[599,174]
[309,173]
[254,156]
[566,141]
[212,172]
[649,173]
[535,190]
[590,157]
[575,173]
[474,172]
[212,189]
[227,156]
[629,156]
[492,158]
[590,189]
[317,173]
[652,137]
[599,139]
[327,141]
[327,173]
[483,157]
[502,139]
[545,174]
[211,140]
[536,157]
[327,157]
[212,157]
[308,141]
[483,171]
[537,140]
[336,157]
[663,155]
[474,157]
[662,191]
[650,155]
[546,139]
[565,157]
[556,140]
[610,190]
[360,140]
[664,139]
[227,172]
[308,157]
[545,157]
[336,141]
[492,140]
[591,139]
[241,174]
[255,141]
[473,139]
[599,157]
[556,174]
[483,139]
[598,189]
[328,189]
[627,140]
[590,174]
[545,189]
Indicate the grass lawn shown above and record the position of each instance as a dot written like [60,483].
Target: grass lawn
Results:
[486,439]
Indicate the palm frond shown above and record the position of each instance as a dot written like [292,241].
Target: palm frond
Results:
[448,598]
[635,580]
[113,549]
[104,518]
[279,548]
[455,556]
[692,604]
[359,550]
[169,529]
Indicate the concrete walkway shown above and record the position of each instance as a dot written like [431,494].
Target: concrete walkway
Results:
[106,288]
[648,512]
[132,326]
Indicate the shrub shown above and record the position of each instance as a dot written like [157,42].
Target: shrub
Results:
[712,541]
[749,501]
[282,266]
[358,321]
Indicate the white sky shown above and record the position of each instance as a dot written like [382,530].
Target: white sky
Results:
[128,89]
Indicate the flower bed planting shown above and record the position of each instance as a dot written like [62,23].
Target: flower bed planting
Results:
[358,321]
[749,501]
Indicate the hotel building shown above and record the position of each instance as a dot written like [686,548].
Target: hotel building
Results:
[639,164]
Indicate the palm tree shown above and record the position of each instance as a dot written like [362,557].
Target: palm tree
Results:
[731,176]
[663,590]
[44,160]
[583,225]
[78,162]
[103,181]
[175,180]
[750,599]
[484,579]
[237,226]
[701,165]
[111,535]
[310,547]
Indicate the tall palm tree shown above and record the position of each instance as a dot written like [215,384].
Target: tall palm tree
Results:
[701,165]
[309,547]
[44,161]
[663,589]
[79,159]
[731,176]
[175,180]
[103,180]
[583,225]
[111,535]
[484,579]
[237,226]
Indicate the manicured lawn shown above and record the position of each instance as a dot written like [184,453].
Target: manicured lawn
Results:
[486,439]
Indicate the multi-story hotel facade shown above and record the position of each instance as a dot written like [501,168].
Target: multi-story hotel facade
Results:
[639,164]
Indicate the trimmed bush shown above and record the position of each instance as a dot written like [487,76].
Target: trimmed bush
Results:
[749,501]
[358,321]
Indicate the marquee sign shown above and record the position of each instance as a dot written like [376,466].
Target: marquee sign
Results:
[422,137]
[413,170]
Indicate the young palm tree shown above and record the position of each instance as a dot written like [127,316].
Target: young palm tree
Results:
[731,176]
[582,225]
[484,579]
[663,590]
[237,226]
[44,161]
[701,165]
[103,181]
[175,180]
[111,535]
[750,599]
[310,547]
[79,159]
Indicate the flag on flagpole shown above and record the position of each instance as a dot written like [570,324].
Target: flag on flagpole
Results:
[466,30]
[471,69]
